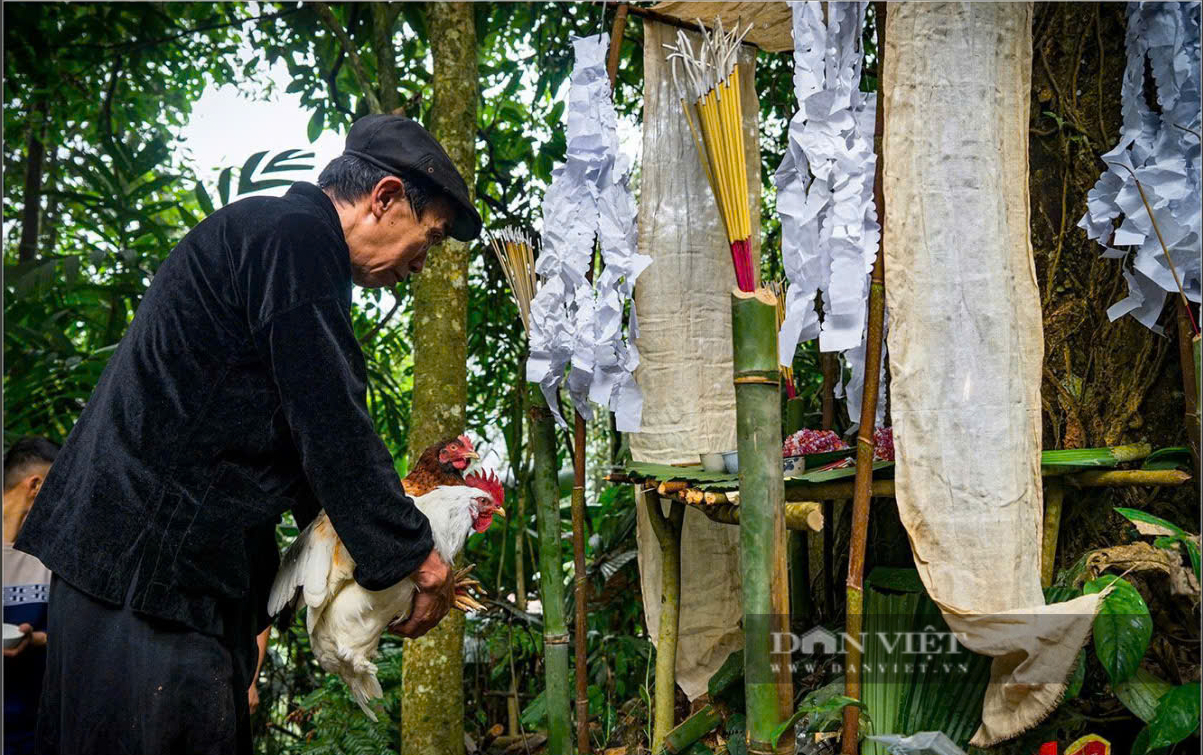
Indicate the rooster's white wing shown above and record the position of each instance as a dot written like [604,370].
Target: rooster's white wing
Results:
[317,564]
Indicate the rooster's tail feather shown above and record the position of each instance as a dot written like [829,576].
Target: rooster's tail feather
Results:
[364,688]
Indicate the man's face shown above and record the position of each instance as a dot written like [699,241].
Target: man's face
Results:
[392,241]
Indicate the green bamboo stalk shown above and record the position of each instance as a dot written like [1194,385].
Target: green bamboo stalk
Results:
[668,534]
[698,725]
[1054,495]
[546,487]
[795,415]
[864,437]
[762,518]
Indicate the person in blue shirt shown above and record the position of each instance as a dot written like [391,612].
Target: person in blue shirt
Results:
[26,591]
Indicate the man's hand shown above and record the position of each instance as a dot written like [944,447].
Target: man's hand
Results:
[436,590]
[31,639]
[252,697]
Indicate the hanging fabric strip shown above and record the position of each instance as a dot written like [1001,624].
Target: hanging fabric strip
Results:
[1162,151]
[576,325]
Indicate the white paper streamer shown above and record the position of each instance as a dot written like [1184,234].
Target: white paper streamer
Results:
[575,325]
[829,229]
[1163,150]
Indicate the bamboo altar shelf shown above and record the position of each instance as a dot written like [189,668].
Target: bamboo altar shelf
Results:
[717,493]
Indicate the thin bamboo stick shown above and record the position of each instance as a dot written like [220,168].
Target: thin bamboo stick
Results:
[582,585]
[668,534]
[768,695]
[864,438]
[546,488]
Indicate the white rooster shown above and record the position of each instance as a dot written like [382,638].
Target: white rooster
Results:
[344,620]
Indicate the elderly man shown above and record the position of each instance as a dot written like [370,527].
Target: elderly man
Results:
[238,393]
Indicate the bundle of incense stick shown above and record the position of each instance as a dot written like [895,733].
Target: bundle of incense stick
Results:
[710,96]
[787,371]
[516,253]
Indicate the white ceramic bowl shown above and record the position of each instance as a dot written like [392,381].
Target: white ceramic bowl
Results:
[712,462]
[12,636]
[794,465]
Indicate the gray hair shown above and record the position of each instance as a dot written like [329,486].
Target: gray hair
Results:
[350,178]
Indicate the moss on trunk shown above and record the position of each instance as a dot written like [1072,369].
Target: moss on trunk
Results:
[432,699]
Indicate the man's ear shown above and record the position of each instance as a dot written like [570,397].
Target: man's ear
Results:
[33,484]
[388,191]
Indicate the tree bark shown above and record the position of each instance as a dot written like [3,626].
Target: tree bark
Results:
[35,157]
[383,19]
[432,718]
[1105,383]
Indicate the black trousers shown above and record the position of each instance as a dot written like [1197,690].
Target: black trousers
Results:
[118,682]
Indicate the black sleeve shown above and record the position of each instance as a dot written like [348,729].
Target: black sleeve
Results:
[311,351]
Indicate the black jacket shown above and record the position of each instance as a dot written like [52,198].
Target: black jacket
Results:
[237,393]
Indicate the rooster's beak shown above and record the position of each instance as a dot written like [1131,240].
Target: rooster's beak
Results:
[470,455]
[500,512]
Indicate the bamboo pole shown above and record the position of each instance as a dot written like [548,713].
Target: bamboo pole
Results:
[517,454]
[1127,478]
[1187,348]
[668,534]
[546,487]
[800,517]
[1054,496]
[864,434]
[699,724]
[769,695]
[581,584]
[830,366]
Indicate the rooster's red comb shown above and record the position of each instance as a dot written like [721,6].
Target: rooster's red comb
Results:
[467,442]
[489,484]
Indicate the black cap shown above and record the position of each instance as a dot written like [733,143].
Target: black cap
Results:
[395,143]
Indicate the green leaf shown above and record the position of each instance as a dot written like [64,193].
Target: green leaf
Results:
[1078,676]
[223,185]
[202,197]
[1141,693]
[1138,518]
[1122,627]
[535,712]
[316,123]
[1141,745]
[280,164]
[1177,716]
[1176,457]
[246,174]
[828,706]
[187,217]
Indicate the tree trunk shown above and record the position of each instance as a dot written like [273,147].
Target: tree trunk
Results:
[35,157]
[1105,383]
[432,718]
